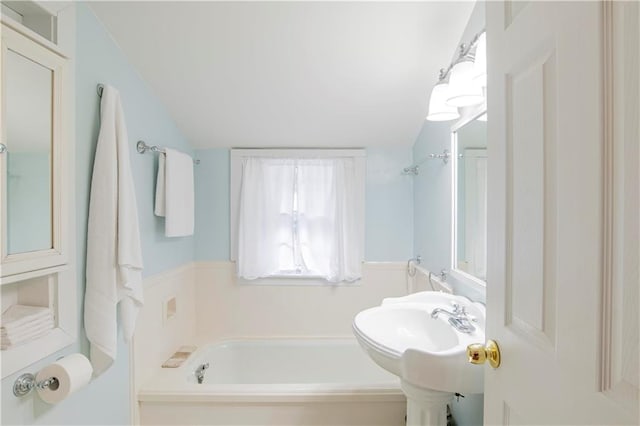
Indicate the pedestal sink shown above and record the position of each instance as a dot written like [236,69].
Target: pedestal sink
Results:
[428,354]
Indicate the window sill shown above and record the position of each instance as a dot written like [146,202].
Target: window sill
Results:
[287,280]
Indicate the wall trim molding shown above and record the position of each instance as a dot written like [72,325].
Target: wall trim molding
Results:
[225,264]
[608,179]
[153,280]
[619,227]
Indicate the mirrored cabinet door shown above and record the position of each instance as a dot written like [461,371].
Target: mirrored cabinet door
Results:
[469,140]
[32,144]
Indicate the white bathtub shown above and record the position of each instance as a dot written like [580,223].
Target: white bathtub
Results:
[275,382]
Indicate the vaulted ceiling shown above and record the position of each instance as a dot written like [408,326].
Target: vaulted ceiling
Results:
[282,74]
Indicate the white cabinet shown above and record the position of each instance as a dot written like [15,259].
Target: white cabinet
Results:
[33,169]
[37,186]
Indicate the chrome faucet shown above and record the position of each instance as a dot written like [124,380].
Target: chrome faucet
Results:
[459,319]
[200,372]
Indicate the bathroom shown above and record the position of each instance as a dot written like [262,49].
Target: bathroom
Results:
[338,75]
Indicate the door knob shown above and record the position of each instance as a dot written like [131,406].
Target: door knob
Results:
[477,353]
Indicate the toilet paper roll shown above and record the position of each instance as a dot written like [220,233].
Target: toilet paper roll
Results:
[72,373]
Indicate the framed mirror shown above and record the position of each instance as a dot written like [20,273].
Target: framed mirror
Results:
[28,121]
[469,230]
[31,171]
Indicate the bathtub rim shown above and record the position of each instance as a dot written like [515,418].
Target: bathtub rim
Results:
[171,385]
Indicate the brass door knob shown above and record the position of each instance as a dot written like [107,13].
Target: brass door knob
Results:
[477,353]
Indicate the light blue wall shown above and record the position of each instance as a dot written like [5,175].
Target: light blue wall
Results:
[212,204]
[432,188]
[389,214]
[432,197]
[389,211]
[433,214]
[99,60]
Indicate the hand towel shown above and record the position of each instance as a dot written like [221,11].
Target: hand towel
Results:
[175,193]
[114,256]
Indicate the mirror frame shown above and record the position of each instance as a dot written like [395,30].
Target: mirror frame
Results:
[469,114]
[40,262]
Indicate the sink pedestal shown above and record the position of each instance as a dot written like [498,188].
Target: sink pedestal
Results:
[426,407]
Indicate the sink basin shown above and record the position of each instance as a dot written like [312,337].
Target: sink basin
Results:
[428,353]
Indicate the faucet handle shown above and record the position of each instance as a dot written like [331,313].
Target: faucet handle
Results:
[459,309]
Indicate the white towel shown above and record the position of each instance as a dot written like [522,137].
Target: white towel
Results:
[175,193]
[18,315]
[13,332]
[114,257]
[36,334]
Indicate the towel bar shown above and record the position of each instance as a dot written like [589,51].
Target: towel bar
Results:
[142,148]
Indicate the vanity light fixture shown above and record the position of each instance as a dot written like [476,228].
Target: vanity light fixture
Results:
[463,90]
[461,84]
[439,110]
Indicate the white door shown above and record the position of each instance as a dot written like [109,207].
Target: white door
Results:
[563,190]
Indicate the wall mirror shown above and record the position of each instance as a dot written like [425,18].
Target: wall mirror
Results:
[28,121]
[469,148]
[30,164]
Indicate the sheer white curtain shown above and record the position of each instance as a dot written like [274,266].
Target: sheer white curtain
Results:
[265,234]
[323,200]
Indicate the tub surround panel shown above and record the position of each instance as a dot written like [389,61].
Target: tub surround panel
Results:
[376,413]
[211,306]
[422,282]
[269,382]
[159,332]
[226,309]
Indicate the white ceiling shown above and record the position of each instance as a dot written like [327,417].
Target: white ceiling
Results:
[282,74]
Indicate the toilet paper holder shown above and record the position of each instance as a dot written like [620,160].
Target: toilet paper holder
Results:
[27,382]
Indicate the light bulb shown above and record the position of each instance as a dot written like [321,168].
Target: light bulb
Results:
[463,91]
[438,108]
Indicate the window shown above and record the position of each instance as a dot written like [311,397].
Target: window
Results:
[298,213]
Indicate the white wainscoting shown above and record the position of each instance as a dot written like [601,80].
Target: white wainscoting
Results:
[157,338]
[211,305]
[226,309]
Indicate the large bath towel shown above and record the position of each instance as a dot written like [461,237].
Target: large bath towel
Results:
[114,256]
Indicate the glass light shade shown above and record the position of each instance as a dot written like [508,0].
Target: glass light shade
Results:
[463,91]
[438,108]
[480,62]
